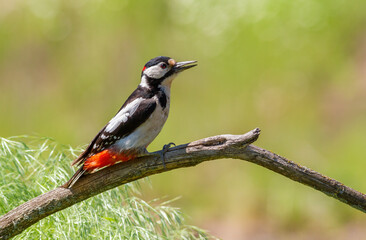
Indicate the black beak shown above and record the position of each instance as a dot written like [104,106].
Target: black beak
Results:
[181,66]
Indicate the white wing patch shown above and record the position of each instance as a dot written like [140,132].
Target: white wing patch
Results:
[123,115]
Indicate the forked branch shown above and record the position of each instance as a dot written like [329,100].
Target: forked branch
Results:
[186,155]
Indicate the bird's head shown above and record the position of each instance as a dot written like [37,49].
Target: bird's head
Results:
[160,71]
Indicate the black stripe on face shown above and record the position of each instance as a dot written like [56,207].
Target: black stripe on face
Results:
[155,82]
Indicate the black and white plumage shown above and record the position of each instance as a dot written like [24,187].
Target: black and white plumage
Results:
[137,123]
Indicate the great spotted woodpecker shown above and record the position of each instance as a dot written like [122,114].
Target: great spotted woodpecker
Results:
[137,123]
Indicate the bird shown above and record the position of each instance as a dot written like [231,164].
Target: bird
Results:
[137,123]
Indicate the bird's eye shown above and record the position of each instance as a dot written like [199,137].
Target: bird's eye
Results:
[163,65]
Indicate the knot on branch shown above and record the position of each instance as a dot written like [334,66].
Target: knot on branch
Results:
[223,141]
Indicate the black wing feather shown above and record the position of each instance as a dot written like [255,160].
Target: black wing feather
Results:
[86,152]
[105,139]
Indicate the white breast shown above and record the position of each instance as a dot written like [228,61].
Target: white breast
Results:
[147,132]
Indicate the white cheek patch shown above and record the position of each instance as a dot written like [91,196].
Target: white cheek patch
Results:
[156,71]
[123,115]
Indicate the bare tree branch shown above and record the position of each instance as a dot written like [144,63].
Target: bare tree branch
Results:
[187,155]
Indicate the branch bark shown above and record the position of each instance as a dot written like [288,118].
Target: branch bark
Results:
[186,155]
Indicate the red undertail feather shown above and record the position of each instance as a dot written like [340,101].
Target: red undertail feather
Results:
[98,161]
[106,158]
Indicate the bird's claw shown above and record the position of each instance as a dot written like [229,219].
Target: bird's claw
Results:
[165,149]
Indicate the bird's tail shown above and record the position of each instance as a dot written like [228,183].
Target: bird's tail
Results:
[80,172]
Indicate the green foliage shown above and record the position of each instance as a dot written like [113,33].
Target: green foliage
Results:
[32,168]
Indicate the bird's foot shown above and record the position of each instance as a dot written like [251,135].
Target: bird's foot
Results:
[165,149]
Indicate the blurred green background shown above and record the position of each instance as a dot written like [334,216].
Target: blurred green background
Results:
[295,69]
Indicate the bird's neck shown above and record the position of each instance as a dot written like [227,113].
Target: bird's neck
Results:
[164,86]
[144,82]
